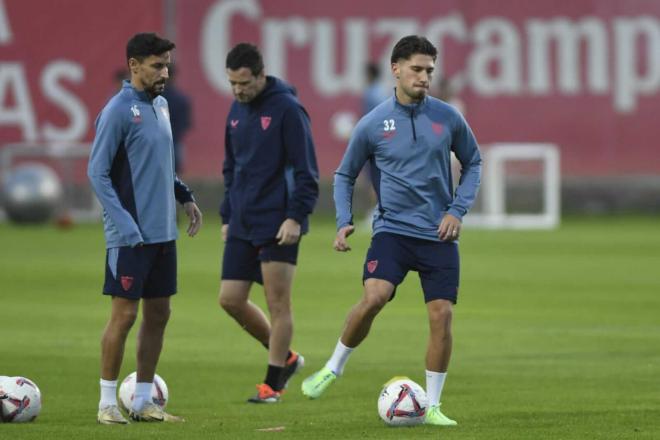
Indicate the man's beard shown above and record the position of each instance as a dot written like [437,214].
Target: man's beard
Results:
[416,94]
[156,90]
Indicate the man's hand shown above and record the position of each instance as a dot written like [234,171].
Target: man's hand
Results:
[224,231]
[340,243]
[195,216]
[450,228]
[289,232]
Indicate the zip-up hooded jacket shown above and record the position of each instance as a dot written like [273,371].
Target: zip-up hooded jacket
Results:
[408,148]
[131,168]
[270,169]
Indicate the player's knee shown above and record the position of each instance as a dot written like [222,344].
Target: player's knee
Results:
[375,301]
[279,309]
[441,313]
[158,318]
[230,304]
[124,318]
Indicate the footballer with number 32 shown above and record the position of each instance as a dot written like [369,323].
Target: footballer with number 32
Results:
[407,141]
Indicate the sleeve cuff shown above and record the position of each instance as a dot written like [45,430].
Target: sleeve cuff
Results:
[344,224]
[135,239]
[186,197]
[296,216]
[455,213]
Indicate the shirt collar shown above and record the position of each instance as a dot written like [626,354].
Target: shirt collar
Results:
[140,94]
[409,108]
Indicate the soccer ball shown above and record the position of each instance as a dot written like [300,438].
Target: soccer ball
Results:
[20,400]
[32,193]
[159,393]
[402,402]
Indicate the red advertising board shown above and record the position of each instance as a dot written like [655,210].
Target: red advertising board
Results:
[584,75]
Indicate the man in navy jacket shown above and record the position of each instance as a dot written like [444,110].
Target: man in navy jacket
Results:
[271,187]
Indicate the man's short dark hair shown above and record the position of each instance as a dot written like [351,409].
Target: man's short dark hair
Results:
[140,46]
[245,55]
[412,45]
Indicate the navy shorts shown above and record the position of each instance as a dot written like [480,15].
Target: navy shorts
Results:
[242,258]
[391,256]
[147,271]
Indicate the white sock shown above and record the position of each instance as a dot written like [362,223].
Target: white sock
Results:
[338,360]
[142,395]
[434,383]
[108,393]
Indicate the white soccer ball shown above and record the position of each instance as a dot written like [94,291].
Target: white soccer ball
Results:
[402,402]
[31,193]
[159,393]
[20,400]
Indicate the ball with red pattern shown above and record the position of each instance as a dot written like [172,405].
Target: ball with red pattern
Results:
[159,391]
[20,399]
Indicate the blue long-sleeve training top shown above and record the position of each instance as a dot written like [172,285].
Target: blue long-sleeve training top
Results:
[270,169]
[131,168]
[408,148]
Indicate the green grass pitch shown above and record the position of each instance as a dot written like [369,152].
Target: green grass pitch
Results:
[556,335]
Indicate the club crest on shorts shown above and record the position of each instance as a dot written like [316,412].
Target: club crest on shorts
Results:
[372,265]
[265,122]
[126,283]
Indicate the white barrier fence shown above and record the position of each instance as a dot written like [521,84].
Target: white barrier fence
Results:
[494,214]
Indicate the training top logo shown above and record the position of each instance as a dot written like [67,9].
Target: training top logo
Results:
[389,129]
[265,122]
[136,113]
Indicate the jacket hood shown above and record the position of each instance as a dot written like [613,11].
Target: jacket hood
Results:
[274,86]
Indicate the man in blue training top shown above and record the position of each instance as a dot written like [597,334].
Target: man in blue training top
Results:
[131,168]
[407,141]
[271,187]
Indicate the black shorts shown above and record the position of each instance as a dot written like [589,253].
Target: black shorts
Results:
[242,258]
[391,256]
[147,271]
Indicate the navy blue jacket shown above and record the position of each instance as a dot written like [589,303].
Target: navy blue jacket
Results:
[270,168]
